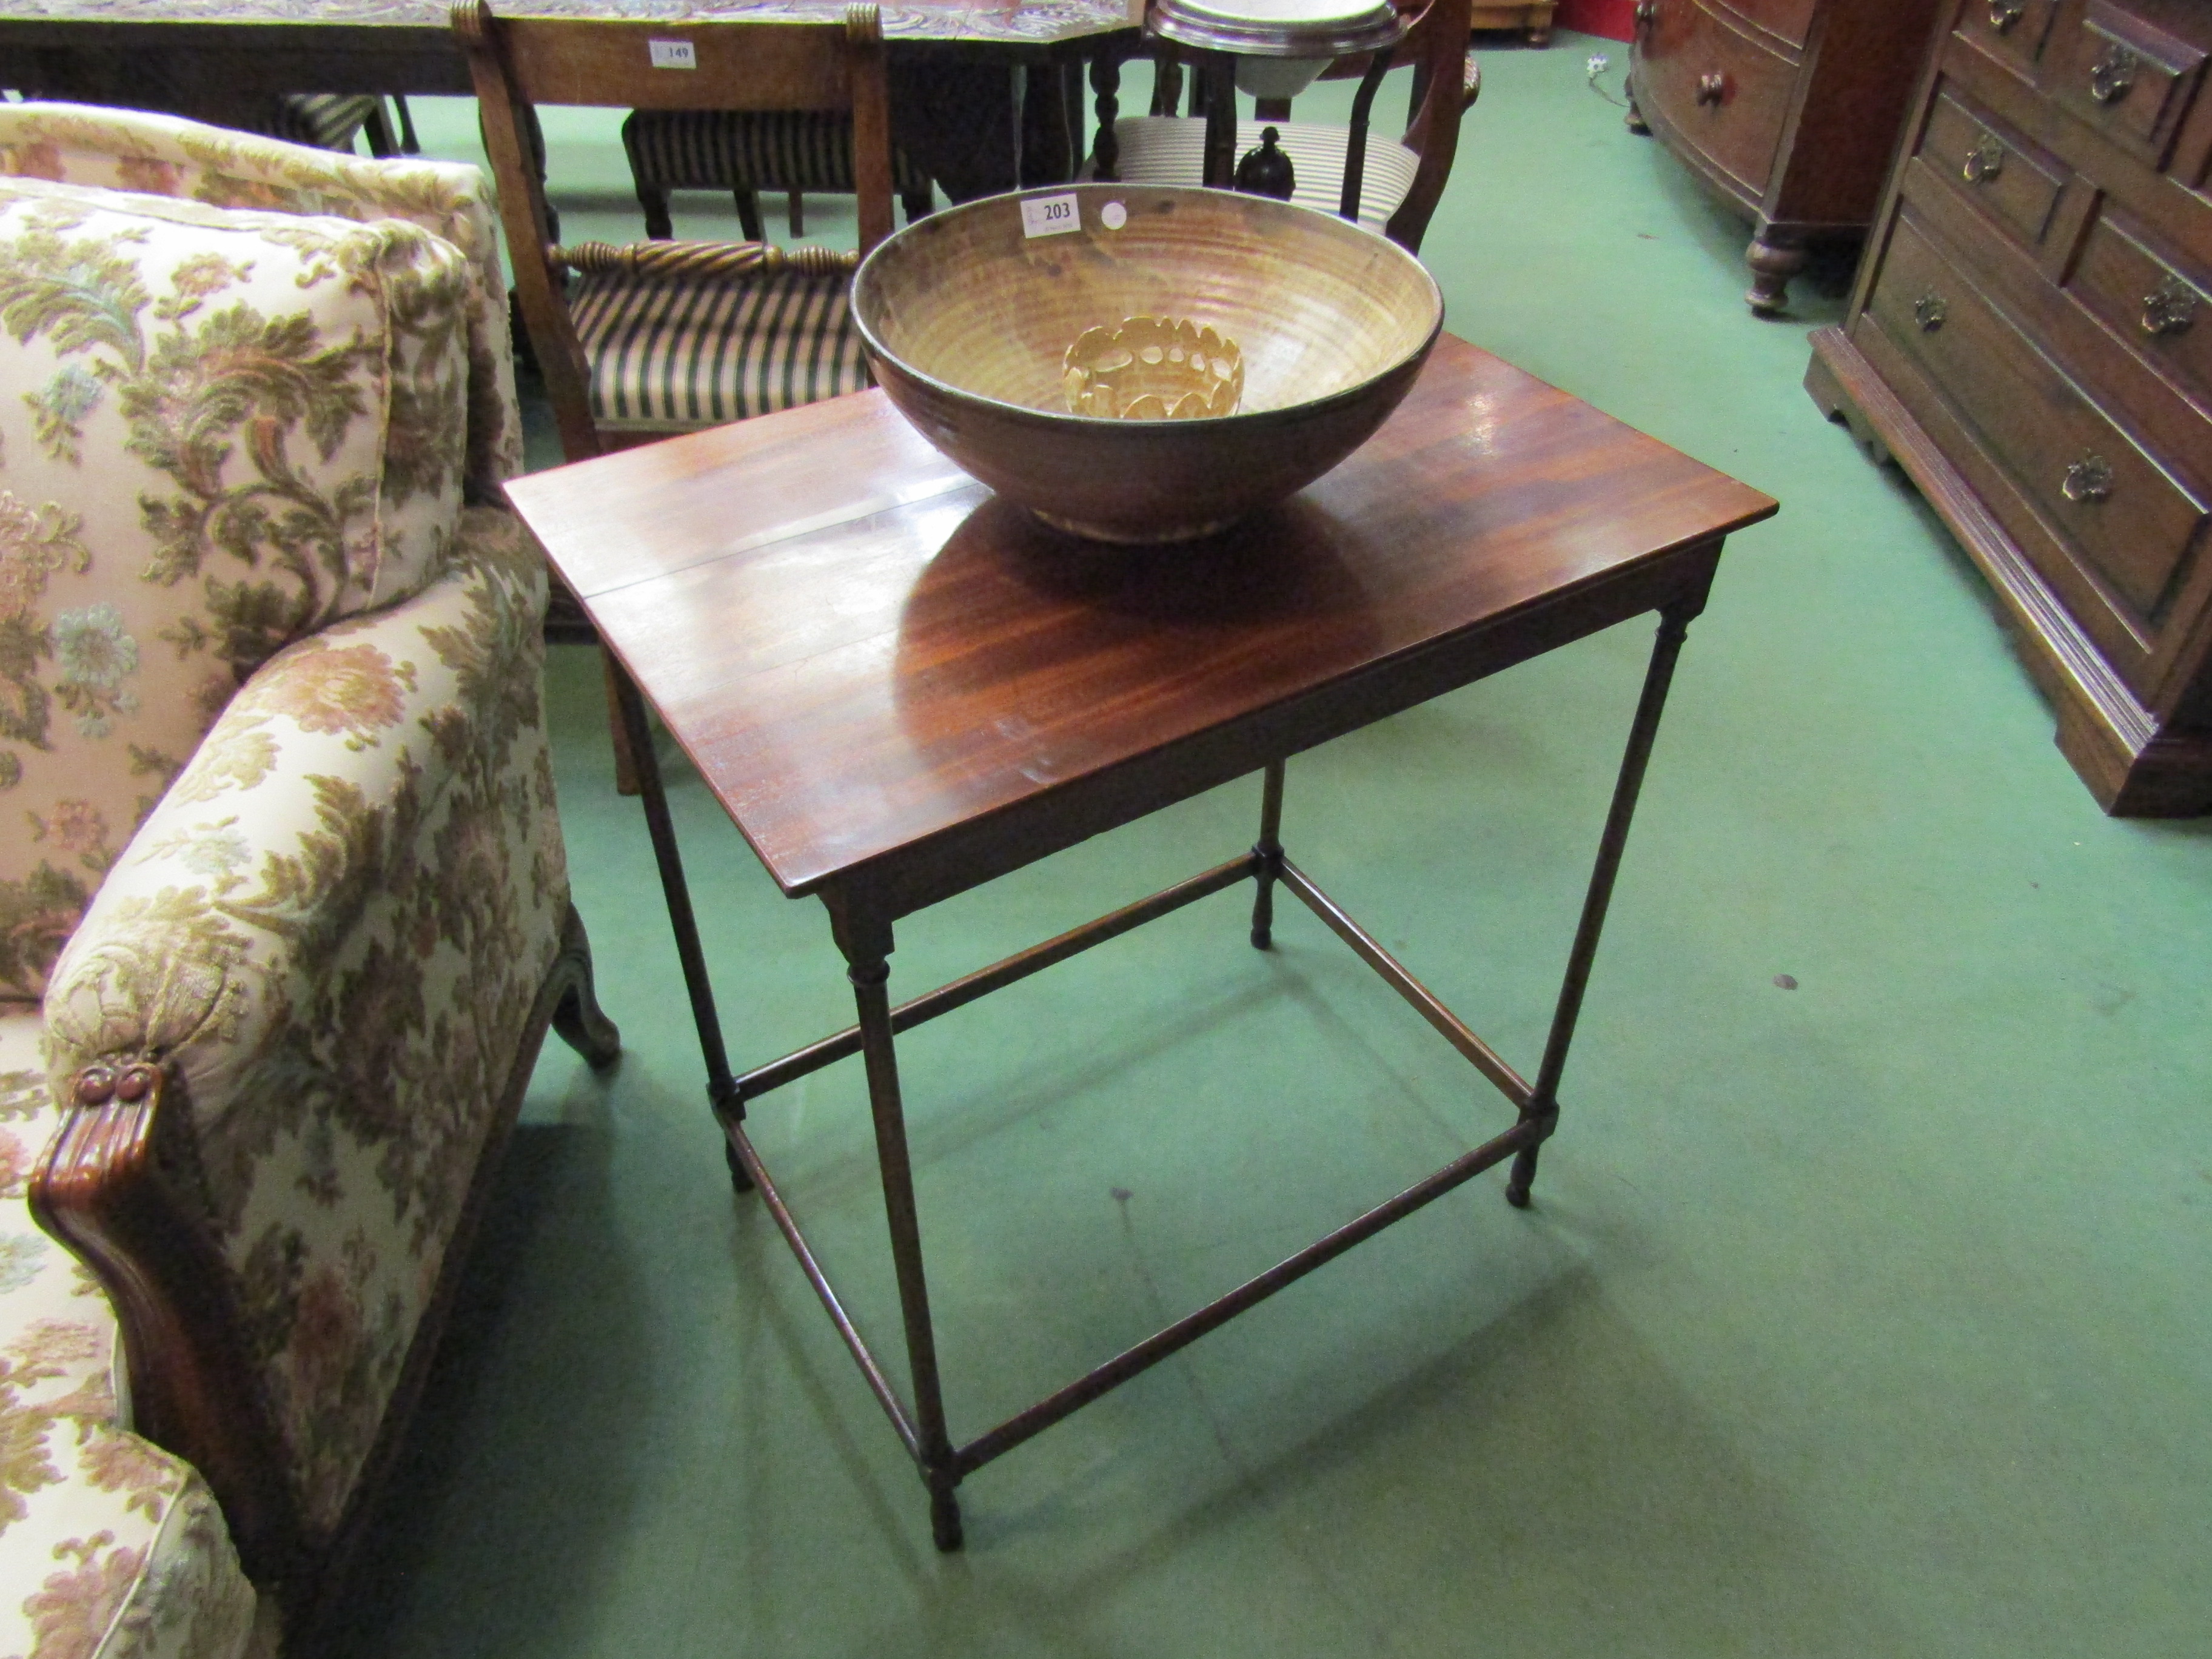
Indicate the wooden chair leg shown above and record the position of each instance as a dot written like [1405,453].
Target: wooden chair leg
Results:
[749,219]
[408,143]
[659,227]
[625,761]
[918,204]
[798,215]
[377,129]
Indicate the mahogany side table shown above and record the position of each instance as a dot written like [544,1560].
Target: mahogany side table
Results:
[900,687]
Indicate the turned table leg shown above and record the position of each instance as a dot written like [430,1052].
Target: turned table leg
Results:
[1105,149]
[866,943]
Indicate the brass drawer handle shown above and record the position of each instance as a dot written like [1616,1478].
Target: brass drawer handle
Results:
[2169,308]
[1930,310]
[1646,13]
[2003,14]
[2089,479]
[1712,88]
[1985,161]
[2111,76]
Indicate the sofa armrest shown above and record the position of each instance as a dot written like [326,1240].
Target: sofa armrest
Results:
[331,936]
[108,1544]
[101,1189]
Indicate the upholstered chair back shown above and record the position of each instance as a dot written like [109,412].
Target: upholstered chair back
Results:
[163,156]
[220,432]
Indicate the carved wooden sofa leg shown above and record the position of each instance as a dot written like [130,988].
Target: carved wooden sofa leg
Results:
[576,1014]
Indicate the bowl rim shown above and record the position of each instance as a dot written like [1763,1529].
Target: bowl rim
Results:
[1067,419]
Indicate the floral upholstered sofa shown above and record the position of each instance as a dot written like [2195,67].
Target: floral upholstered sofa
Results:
[283,908]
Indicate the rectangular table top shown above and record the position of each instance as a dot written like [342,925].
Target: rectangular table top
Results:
[996,22]
[894,680]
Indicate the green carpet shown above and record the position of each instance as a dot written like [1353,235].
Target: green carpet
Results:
[1865,1317]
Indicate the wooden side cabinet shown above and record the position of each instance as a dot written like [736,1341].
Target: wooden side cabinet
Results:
[1533,18]
[2031,338]
[1789,109]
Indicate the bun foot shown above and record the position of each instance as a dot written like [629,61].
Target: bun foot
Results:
[1523,1177]
[1772,266]
[944,1522]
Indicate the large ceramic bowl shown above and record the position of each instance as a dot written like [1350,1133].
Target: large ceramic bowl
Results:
[967,319]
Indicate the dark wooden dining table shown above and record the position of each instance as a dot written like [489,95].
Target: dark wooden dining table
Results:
[900,687]
[982,95]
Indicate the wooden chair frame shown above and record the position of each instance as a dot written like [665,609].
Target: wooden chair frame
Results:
[518,63]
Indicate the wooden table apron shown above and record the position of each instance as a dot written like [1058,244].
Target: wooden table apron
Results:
[899,688]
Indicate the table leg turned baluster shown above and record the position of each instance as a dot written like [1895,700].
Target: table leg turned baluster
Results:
[1167,79]
[721,1087]
[1268,851]
[867,945]
[1105,148]
[1543,1101]
[1218,76]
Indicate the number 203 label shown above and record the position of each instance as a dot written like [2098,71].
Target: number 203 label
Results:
[1049,215]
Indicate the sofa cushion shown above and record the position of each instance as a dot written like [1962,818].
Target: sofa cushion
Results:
[164,155]
[108,1545]
[219,433]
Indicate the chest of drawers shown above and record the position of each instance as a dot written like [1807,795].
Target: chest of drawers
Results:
[2031,338]
[1789,109]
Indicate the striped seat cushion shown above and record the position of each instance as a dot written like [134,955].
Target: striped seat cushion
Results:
[1168,149]
[325,120]
[751,149]
[671,356]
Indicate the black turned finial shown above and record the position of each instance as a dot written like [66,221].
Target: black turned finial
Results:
[1267,171]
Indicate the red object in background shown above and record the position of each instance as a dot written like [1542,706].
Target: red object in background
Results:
[1613,19]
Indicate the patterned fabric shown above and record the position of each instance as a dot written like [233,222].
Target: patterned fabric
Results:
[161,155]
[1167,149]
[337,908]
[334,922]
[110,1548]
[334,926]
[219,432]
[751,149]
[677,356]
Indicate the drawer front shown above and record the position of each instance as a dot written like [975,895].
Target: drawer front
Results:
[1790,19]
[2014,182]
[2129,528]
[2129,80]
[1719,88]
[2161,306]
[2012,31]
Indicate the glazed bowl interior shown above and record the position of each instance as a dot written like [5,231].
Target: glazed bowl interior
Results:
[1317,306]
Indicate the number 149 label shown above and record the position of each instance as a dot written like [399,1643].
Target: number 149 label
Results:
[1049,215]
